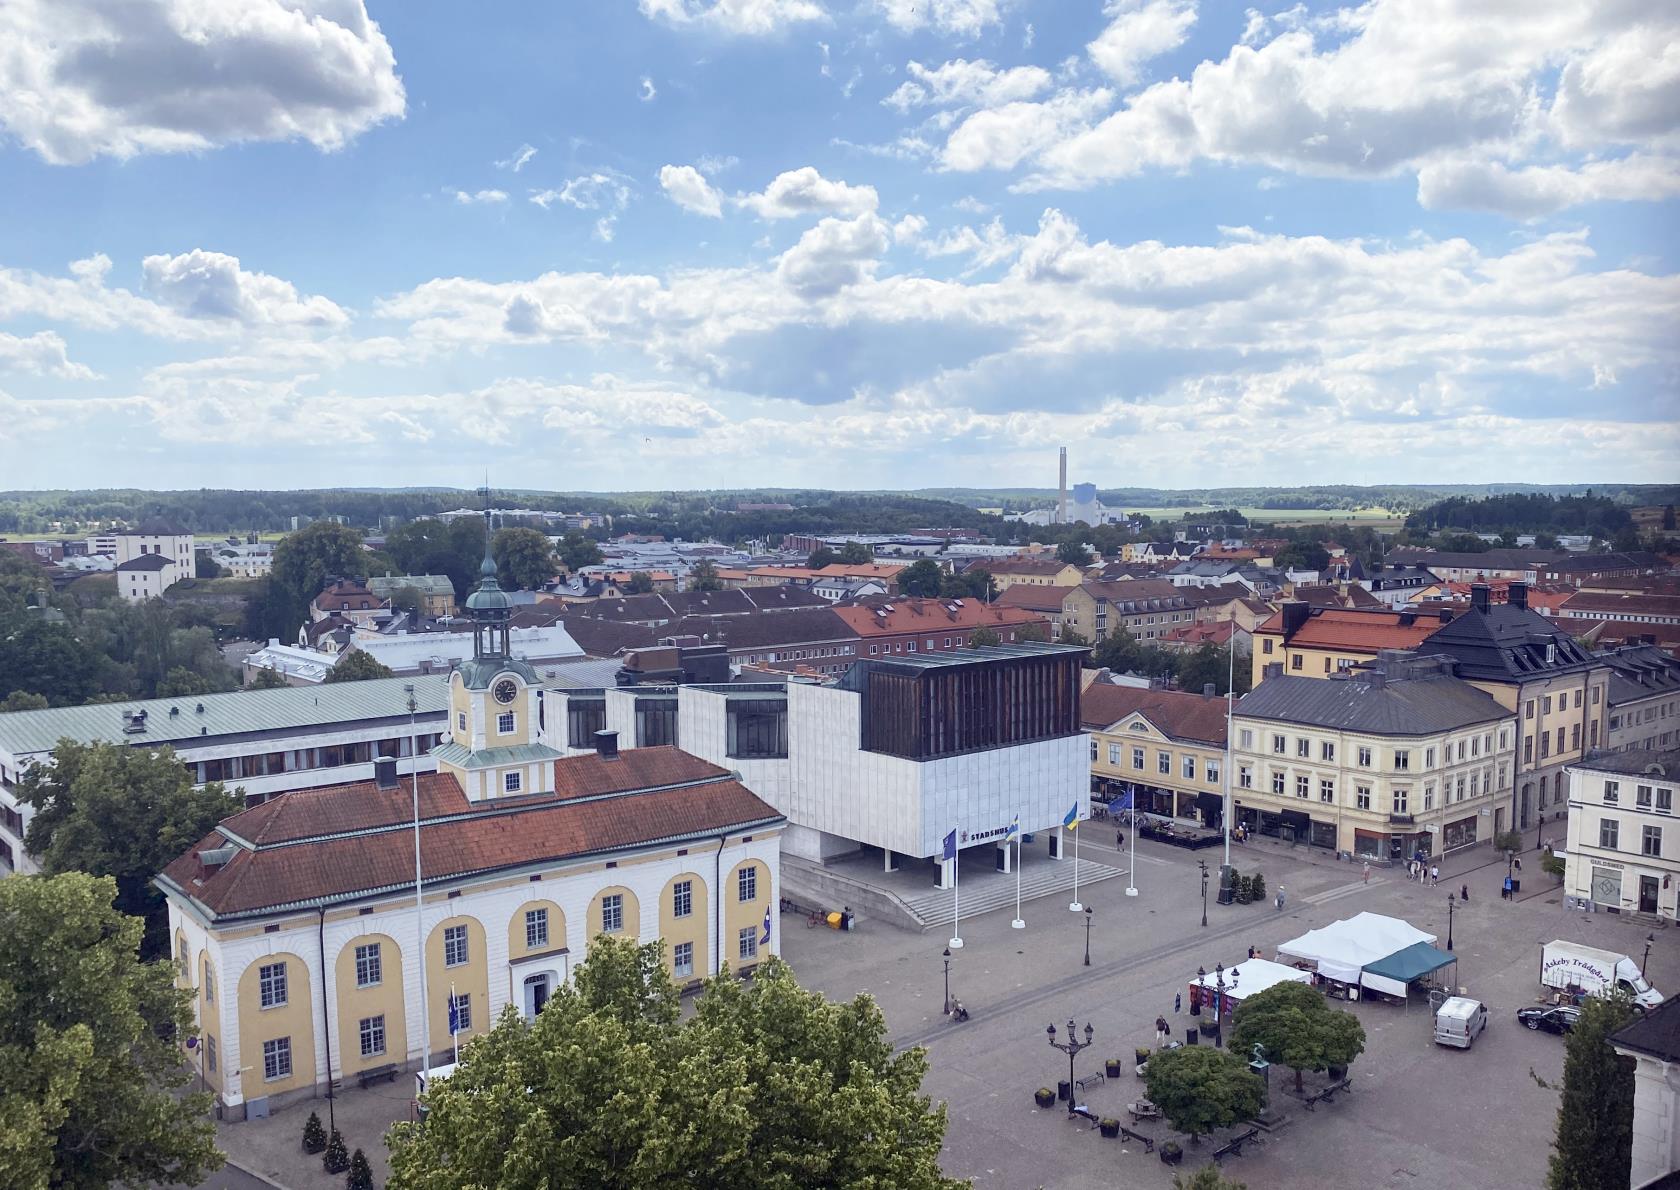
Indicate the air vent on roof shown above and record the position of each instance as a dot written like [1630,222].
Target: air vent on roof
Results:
[173,711]
[134,722]
[201,708]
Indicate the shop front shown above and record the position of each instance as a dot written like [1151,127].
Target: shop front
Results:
[1461,833]
[1288,826]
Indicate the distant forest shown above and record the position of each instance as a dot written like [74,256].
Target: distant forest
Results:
[1593,514]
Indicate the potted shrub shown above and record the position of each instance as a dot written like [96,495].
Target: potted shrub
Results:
[1245,890]
[1111,1068]
[337,1157]
[1259,887]
[1109,1128]
[1141,1054]
[1171,1152]
[1337,1073]
[314,1136]
[1044,1097]
[361,1173]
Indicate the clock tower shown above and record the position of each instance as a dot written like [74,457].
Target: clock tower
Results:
[493,749]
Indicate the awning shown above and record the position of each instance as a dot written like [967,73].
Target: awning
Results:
[1403,967]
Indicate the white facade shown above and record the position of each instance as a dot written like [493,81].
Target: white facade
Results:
[177,547]
[139,585]
[435,652]
[1624,841]
[1656,1118]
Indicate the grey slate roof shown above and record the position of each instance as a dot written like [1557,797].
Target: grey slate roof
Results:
[237,713]
[1636,763]
[1640,671]
[1507,644]
[146,562]
[1657,1033]
[1412,707]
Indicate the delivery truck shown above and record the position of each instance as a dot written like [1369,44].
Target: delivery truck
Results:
[1572,967]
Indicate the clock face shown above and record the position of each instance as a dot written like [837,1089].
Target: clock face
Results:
[505,691]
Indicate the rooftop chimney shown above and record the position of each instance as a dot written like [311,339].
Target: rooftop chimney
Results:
[385,772]
[1517,595]
[1478,597]
[1446,615]
[1207,689]
[606,745]
[1296,612]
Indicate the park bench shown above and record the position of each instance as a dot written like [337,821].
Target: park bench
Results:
[1233,1147]
[1089,1081]
[1329,1093]
[1085,1113]
[1148,1142]
[374,1074]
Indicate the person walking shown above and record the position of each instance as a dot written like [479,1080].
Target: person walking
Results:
[1464,893]
[1505,889]
[1516,862]
[1280,898]
[1365,879]
[1178,1003]
[1251,952]
[1160,1030]
[1435,873]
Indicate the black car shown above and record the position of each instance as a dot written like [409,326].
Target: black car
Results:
[1560,1018]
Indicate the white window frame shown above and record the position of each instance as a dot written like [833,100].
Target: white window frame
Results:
[747,943]
[746,884]
[277,1059]
[682,960]
[457,950]
[271,984]
[370,971]
[612,913]
[536,927]
[505,723]
[682,898]
[370,1031]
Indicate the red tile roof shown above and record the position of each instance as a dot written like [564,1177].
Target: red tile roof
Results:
[886,617]
[1354,631]
[1036,598]
[1181,715]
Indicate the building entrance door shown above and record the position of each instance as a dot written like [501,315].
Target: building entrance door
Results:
[1527,795]
[1647,894]
[536,995]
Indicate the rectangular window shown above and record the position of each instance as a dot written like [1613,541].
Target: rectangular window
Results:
[1428,796]
[1213,772]
[1279,744]
[1642,796]
[1364,758]
[1403,759]
[1612,791]
[1575,735]
[1528,749]
[368,973]
[271,985]
[1295,661]
[536,928]
[504,723]
[1303,786]
[1546,704]
[746,883]
[1504,780]
[1137,758]
[1528,709]
[1545,744]
[748,943]
[612,913]
[1245,777]
[1326,790]
[461,720]
[1114,755]
[1461,749]
[1577,700]
[1665,801]
[277,1058]
[682,898]
[511,781]
[210,1053]
[1650,841]
[1362,796]
[1163,763]
[454,946]
[1266,645]
[1401,800]
[1277,783]
[1246,738]
[1607,830]
[1188,766]
[372,1030]
[1303,747]
[682,960]
[1327,751]
[461,1007]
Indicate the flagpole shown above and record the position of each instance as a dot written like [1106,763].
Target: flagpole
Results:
[1075,907]
[1019,923]
[1230,694]
[956,892]
[1131,872]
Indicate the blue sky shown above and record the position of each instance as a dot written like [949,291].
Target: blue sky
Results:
[848,243]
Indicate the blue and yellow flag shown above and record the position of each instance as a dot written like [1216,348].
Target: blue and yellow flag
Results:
[1014,831]
[1072,819]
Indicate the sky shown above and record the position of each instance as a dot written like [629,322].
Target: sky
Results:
[634,244]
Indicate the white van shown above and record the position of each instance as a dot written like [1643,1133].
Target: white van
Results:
[1458,1022]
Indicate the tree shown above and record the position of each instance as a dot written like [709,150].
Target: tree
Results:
[121,812]
[1594,1145]
[1074,553]
[91,1082]
[1208,1177]
[524,559]
[1200,1088]
[855,553]
[305,560]
[974,583]
[336,1159]
[983,638]
[358,666]
[641,582]
[1204,664]
[820,557]
[704,576]
[1295,1025]
[46,659]
[1036,632]
[181,682]
[922,577]
[204,566]
[407,598]
[763,1085]
[577,551]
[361,1173]
[1119,652]
[1547,541]
[1071,636]
[1626,540]
[23,700]
[266,679]
[1668,518]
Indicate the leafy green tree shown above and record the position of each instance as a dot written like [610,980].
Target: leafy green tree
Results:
[91,1083]
[1074,553]
[524,558]
[204,566]
[1208,1177]
[1296,1026]
[181,682]
[983,638]
[1036,632]
[820,557]
[46,659]
[922,577]
[408,598]
[1594,1145]
[704,576]
[1625,540]
[1119,651]
[24,700]
[765,1085]
[577,551]
[305,560]
[121,812]
[641,582]
[357,666]
[266,679]
[974,583]
[1200,1088]
[361,1173]
[1072,636]
[1209,663]
[855,553]
[1549,541]
[429,546]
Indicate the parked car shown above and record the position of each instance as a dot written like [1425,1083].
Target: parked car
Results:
[1559,1018]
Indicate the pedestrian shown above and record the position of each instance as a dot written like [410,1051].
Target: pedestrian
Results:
[1464,893]
[1160,1029]
[1517,863]
[1280,898]
[1364,879]
[1178,1003]
[1251,952]
[1505,889]
[1435,873]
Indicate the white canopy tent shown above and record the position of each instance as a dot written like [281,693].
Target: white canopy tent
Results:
[1251,976]
[1341,950]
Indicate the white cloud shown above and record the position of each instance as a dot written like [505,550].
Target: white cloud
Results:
[41,354]
[479,197]
[684,185]
[1002,137]
[832,255]
[962,18]
[960,82]
[600,190]
[804,191]
[756,18]
[520,158]
[81,79]
[713,164]
[213,286]
[1539,190]
[646,91]
[1139,30]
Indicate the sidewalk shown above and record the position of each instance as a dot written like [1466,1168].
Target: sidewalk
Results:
[272,1149]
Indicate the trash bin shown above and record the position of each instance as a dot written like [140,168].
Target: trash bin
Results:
[1516,885]
[1064,1090]
[1191,1037]
[834,921]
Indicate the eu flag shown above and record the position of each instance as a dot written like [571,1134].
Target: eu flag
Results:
[949,851]
[454,1017]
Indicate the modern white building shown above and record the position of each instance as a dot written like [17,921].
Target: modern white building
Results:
[437,652]
[1624,843]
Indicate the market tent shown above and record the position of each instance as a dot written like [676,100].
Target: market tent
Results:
[1394,973]
[1341,950]
[1252,976]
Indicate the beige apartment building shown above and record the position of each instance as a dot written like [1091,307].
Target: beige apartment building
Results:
[1165,747]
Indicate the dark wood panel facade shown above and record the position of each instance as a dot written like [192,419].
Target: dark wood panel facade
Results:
[921,713]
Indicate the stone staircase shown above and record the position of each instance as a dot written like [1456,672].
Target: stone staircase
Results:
[997,891]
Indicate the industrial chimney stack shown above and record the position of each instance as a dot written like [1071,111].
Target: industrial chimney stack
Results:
[1061,499]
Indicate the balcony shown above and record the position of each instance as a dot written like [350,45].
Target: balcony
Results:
[1400,820]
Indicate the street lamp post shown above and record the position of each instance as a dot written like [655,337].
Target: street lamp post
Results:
[947,981]
[1088,937]
[1649,939]
[1070,1047]
[1451,901]
[1203,865]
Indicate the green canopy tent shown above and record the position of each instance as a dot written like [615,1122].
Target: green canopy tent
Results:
[1399,970]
